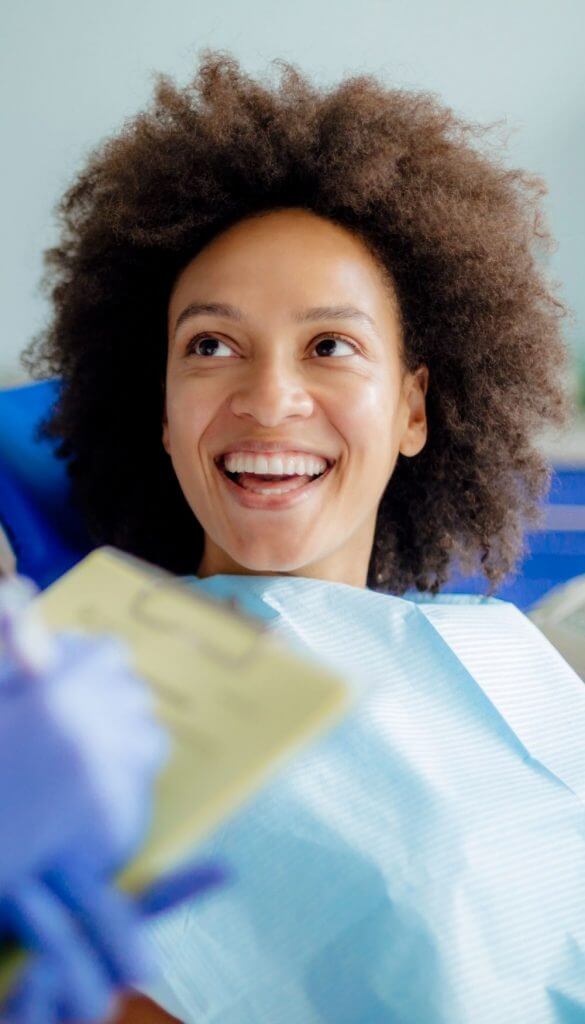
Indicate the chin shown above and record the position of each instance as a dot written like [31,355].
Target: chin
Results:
[270,561]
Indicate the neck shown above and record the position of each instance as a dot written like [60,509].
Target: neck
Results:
[346,565]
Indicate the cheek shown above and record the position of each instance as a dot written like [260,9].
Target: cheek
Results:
[187,418]
[363,416]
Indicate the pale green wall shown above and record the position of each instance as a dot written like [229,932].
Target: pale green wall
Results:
[71,71]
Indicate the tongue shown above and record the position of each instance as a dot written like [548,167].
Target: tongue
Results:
[255,482]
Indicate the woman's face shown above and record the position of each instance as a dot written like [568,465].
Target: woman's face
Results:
[288,368]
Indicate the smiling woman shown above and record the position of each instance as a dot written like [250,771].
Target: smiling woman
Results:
[305,348]
[273,201]
[270,379]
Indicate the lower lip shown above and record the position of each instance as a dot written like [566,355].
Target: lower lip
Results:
[273,502]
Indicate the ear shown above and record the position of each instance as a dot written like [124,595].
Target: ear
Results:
[414,436]
[165,423]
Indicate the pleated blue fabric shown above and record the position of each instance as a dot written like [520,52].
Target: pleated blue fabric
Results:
[421,863]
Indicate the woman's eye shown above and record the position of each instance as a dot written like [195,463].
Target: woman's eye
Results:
[330,343]
[207,346]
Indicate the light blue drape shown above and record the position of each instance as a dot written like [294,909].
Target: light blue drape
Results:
[422,863]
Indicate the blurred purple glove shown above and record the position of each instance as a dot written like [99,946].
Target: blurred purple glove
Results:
[89,938]
[79,751]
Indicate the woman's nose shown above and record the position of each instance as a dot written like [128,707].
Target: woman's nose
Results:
[271,393]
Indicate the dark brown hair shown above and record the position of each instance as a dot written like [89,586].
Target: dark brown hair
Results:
[457,231]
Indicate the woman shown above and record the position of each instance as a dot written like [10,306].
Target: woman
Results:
[305,347]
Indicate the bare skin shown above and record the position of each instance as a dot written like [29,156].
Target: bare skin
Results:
[271,377]
[264,376]
[137,1009]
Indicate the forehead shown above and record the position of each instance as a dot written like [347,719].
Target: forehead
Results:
[291,253]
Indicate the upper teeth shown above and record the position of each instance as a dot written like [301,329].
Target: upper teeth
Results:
[279,465]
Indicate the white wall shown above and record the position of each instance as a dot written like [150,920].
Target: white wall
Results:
[71,71]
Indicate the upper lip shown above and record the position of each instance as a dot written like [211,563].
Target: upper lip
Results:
[271,447]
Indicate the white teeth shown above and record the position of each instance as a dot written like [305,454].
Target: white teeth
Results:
[271,490]
[290,465]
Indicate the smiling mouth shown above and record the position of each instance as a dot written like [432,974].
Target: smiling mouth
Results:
[270,483]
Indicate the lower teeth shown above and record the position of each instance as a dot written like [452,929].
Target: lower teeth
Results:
[271,490]
[236,478]
[292,484]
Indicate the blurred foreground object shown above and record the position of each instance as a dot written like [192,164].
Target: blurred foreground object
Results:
[80,748]
[80,743]
[7,556]
[233,703]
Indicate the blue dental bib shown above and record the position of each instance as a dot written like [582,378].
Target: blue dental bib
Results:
[424,861]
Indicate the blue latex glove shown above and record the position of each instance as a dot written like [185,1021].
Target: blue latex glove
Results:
[89,938]
[79,746]
[79,751]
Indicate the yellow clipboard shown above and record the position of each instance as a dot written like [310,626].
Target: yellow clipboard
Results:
[236,702]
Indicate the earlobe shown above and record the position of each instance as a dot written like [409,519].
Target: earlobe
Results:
[414,442]
[415,436]
[165,422]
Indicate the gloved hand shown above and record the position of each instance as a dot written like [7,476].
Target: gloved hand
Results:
[79,751]
[89,940]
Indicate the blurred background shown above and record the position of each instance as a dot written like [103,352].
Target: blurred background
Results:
[71,72]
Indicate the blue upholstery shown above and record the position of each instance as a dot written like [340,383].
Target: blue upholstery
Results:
[46,533]
[48,536]
[555,554]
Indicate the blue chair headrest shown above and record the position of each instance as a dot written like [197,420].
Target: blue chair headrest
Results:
[47,534]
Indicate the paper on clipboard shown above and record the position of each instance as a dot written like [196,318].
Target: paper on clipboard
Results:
[235,701]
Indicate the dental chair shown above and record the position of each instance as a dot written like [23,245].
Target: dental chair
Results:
[41,530]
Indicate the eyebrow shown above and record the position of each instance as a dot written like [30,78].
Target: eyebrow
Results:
[314,313]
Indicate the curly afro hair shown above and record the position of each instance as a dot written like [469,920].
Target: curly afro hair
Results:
[455,230]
